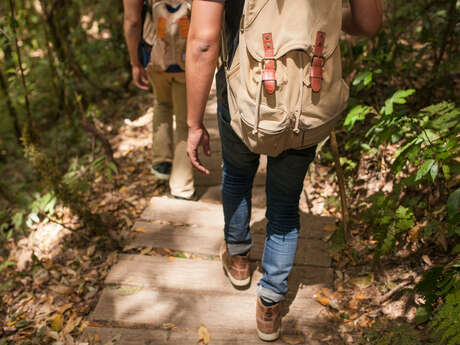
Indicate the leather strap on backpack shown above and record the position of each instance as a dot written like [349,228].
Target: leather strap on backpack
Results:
[317,62]
[268,72]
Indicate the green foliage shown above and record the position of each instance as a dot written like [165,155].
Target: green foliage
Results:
[388,221]
[441,284]
[446,323]
[391,334]
[69,51]
[453,207]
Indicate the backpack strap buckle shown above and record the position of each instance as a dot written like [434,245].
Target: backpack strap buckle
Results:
[317,62]
[268,71]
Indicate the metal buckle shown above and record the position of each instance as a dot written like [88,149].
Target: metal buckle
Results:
[323,59]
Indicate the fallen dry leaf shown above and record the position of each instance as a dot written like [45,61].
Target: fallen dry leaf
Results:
[363,282]
[293,339]
[57,323]
[71,324]
[128,290]
[91,249]
[94,324]
[140,229]
[64,308]
[203,335]
[145,251]
[323,300]
[330,227]
[168,325]
[61,289]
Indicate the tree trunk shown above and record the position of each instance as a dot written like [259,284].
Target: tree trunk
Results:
[10,107]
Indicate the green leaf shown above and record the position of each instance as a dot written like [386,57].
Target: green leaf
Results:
[358,113]
[456,249]
[21,323]
[453,205]
[6,264]
[446,171]
[113,167]
[434,171]
[364,78]
[34,217]
[422,315]
[18,220]
[424,169]
[399,97]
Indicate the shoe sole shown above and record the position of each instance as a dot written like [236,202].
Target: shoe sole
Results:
[160,176]
[268,337]
[192,198]
[234,281]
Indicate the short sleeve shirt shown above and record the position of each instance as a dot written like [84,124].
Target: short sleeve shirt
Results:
[233,12]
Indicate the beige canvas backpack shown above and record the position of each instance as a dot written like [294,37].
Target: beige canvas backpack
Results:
[167,33]
[285,86]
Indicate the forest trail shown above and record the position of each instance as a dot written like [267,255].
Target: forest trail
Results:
[165,299]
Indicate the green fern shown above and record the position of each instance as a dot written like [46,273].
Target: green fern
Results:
[446,323]
[383,333]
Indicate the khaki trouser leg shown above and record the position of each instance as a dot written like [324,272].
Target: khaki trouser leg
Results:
[162,146]
[181,181]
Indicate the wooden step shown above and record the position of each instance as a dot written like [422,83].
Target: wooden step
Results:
[213,194]
[207,239]
[205,214]
[188,212]
[177,336]
[205,276]
[153,307]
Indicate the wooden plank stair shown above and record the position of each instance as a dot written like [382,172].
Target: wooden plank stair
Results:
[144,293]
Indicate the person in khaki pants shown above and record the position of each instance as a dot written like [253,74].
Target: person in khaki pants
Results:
[169,156]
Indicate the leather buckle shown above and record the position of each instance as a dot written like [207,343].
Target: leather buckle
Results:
[316,72]
[269,66]
[317,62]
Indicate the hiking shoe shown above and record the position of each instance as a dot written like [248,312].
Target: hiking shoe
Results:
[268,320]
[236,267]
[162,170]
[194,197]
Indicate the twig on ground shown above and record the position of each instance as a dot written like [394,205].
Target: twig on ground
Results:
[396,289]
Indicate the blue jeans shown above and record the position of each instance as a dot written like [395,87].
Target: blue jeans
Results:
[285,175]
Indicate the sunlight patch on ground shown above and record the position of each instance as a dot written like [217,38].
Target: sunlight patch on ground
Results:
[44,243]
[134,135]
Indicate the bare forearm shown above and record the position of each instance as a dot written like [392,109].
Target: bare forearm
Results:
[132,25]
[363,17]
[200,67]
[202,52]
[132,36]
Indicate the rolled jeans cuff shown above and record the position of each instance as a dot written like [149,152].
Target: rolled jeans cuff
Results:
[239,248]
[269,295]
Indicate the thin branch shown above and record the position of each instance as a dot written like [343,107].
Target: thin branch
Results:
[5,34]
[341,180]
[10,107]
[396,289]
[89,126]
[23,78]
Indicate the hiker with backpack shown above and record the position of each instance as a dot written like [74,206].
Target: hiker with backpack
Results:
[156,34]
[280,92]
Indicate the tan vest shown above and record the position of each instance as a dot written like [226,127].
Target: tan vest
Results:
[167,33]
[285,86]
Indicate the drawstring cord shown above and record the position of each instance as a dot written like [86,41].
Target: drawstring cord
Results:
[259,96]
[298,112]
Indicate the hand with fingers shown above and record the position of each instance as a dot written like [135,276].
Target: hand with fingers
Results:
[140,77]
[198,136]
